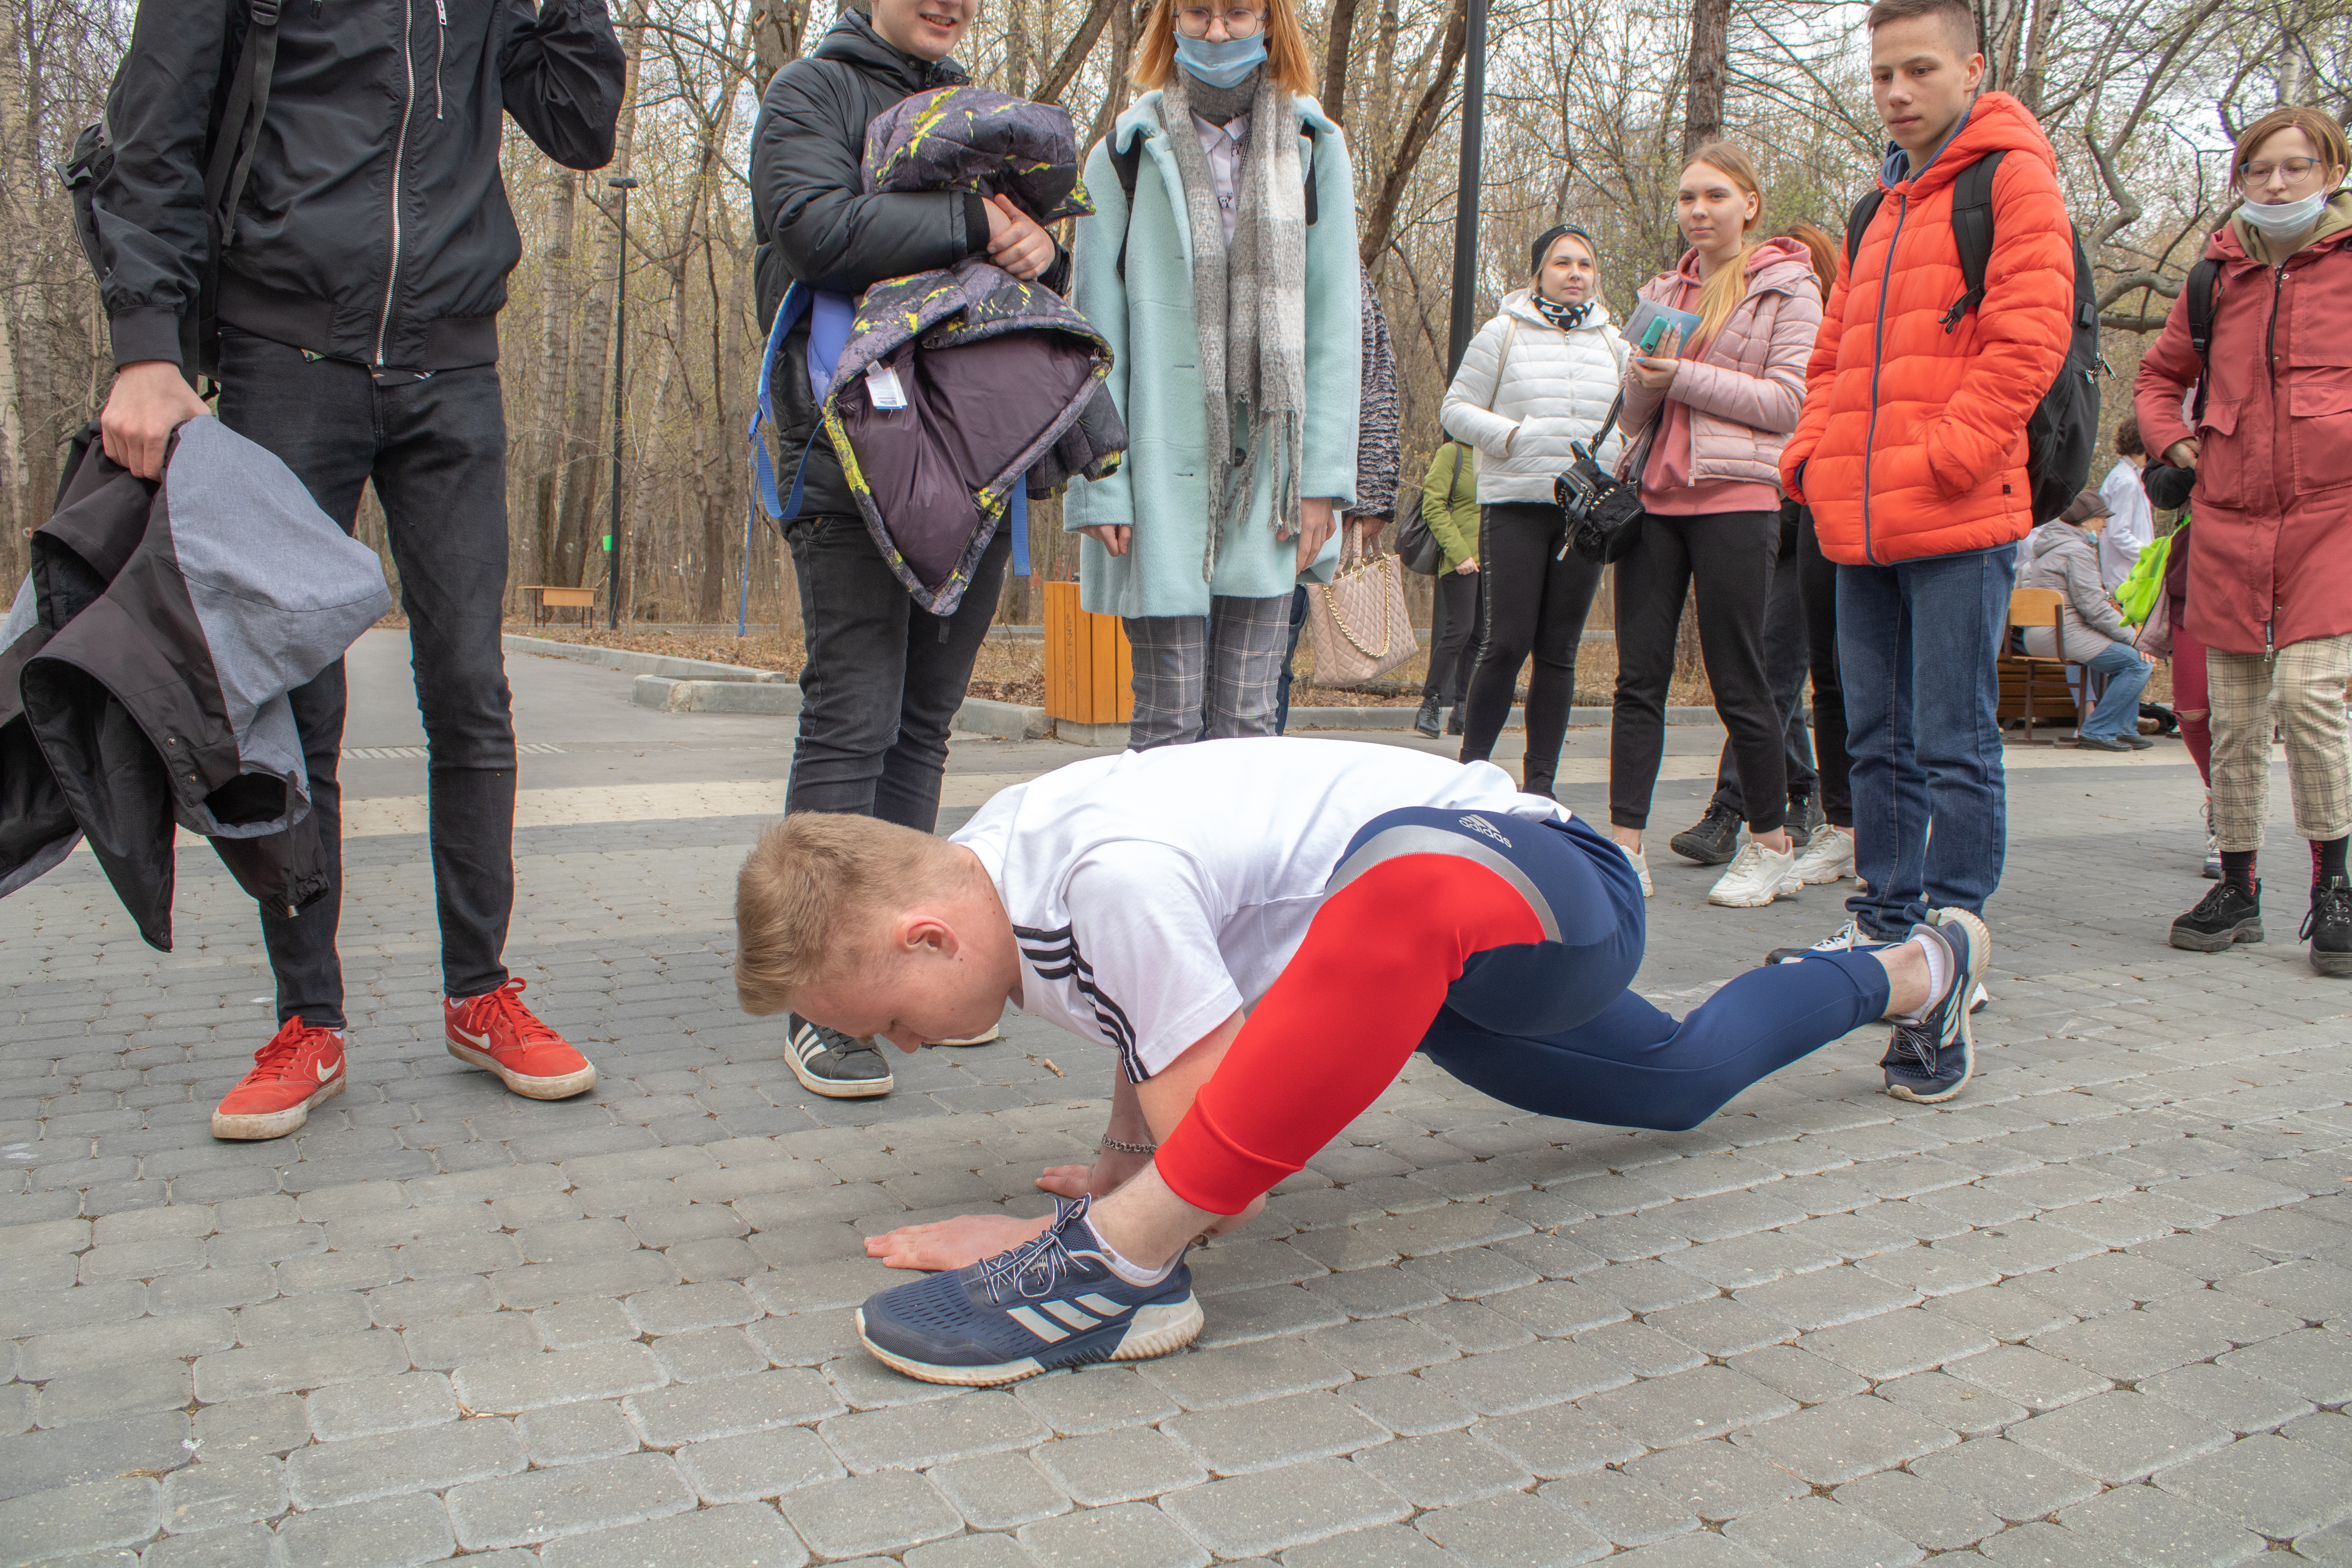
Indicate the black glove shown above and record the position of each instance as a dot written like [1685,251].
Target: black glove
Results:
[2168,487]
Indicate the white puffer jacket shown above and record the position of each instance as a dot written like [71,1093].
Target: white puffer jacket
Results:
[1555,388]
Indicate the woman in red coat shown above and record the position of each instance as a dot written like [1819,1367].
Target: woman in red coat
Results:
[2271,446]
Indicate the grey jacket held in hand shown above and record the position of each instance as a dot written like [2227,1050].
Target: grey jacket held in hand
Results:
[2060,555]
[373,225]
[145,665]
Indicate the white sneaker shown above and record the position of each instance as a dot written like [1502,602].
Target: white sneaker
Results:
[1828,857]
[1758,876]
[1641,869]
[1845,939]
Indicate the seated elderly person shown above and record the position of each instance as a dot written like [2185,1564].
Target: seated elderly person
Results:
[2064,553]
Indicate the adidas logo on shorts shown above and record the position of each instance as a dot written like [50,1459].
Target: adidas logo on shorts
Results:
[1479,824]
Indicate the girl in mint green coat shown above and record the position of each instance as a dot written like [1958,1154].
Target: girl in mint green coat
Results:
[1227,310]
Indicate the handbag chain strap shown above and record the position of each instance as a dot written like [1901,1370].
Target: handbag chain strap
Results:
[1331,602]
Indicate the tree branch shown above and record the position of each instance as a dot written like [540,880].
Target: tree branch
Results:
[1381,215]
[1082,43]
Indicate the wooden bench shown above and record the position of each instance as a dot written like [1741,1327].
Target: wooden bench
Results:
[2034,687]
[546,598]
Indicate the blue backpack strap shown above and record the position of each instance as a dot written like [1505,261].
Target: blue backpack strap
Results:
[1016,518]
[763,411]
[830,316]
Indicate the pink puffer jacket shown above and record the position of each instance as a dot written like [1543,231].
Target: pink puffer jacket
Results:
[1746,389]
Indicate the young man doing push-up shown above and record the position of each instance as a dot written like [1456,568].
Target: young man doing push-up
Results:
[1264,931]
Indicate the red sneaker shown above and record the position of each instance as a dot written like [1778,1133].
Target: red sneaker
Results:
[300,1067]
[498,1034]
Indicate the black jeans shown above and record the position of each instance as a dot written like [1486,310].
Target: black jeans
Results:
[884,676]
[1726,558]
[1535,602]
[1454,646]
[435,449]
[1786,654]
[1819,575]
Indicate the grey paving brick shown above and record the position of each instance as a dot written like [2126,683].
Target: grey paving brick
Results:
[1133,1535]
[1893,1344]
[2034,1378]
[1825,1297]
[1558,1440]
[1235,1440]
[1100,1399]
[173,1337]
[2128,1346]
[1646,1287]
[2008,1311]
[471,1337]
[1380,1346]
[1630,1512]
[2278,1487]
[819,1285]
[599,1494]
[381,1404]
[92,1451]
[314,1314]
[2016,1482]
[1474,1328]
[911,1436]
[1810,1533]
[699,1412]
[998,1492]
[2313,1362]
[1518,1529]
[2120,1436]
[2333,1433]
[2225,1397]
[428,1459]
[1525,1377]
[746,1536]
[1847,1437]
[505,1385]
[1714,1480]
[1698,1549]
[1719,1326]
[1928,1271]
[86,1518]
[1263,1513]
[2331,1546]
[1641,1349]
[567,1434]
[269,1424]
[298,1364]
[1407,1406]
[682,1307]
[1927,1512]
[2042,1545]
[888,1511]
[249,1545]
[1952,1402]
[1241,1374]
[1442,1470]
[2157,1528]
[234,1286]
[397,1530]
[536,1285]
[118,1388]
[232,1489]
[568,1325]
[1556,1308]
[1119,1466]
[1382,1546]
[863,1384]
[1704,1403]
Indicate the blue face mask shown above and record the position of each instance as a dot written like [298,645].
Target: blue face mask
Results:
[1221,63]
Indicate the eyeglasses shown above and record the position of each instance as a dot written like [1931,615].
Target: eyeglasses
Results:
[2293,168]
[1193,21]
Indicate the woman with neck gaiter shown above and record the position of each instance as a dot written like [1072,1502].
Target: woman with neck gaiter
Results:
[1537,380]
[1220,262]
[1711,416]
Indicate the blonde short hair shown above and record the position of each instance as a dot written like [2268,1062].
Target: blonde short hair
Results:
[810,893]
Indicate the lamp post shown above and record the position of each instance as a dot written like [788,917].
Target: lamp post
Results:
[1465,195]
[614,543]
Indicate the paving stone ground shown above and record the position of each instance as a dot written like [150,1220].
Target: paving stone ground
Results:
[2097,1312]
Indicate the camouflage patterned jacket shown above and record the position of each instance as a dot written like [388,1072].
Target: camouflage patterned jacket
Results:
[957,382]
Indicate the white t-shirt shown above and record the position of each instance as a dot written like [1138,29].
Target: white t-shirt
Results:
[1154,892]
[2130,525]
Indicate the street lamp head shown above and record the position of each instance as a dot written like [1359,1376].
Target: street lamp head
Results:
[622,183]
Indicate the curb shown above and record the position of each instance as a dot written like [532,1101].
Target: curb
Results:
[1303,720]
[978,716]
[633,663]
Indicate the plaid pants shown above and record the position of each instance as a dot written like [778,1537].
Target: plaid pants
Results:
[1224,668]
[2305,682]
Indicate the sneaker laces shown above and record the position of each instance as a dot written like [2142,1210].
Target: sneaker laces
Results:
[1918,1041]
[1032,1269]
[507,1003]
[282,1048]
[2331,904]
[1845,939]
[2210,904]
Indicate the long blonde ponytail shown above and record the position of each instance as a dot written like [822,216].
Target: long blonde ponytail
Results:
[1727,285]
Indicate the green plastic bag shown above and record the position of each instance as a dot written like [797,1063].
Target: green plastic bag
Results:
[2136,593]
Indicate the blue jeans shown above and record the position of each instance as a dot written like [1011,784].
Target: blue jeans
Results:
[1916,643]
[2118,715]
[1282,685]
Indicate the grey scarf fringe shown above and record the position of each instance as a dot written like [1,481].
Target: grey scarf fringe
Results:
[1249,306]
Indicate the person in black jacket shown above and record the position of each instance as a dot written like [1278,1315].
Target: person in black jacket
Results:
[360,283]
[884,678]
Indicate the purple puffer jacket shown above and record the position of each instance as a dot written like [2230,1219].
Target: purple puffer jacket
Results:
[1746,386]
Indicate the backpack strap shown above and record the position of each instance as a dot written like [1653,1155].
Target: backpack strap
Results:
[1125,163]
[2196,297]
[1972,233]
[1859,220]
[240,127]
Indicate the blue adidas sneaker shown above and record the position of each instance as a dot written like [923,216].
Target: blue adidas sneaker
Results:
[1052,1303]
[1931,1060]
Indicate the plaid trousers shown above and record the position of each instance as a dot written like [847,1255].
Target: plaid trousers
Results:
[2305,682]
[1224,668]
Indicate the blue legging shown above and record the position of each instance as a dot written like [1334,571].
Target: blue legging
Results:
[1550,1026]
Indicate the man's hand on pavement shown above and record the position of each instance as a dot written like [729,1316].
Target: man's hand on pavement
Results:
[956,1243]
[150,399]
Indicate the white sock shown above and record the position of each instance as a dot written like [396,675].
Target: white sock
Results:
[1939,973]
[1126,1267]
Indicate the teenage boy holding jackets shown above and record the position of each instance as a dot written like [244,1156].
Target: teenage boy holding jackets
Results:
[1911,454]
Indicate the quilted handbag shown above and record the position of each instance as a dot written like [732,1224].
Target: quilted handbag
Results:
[1359,619]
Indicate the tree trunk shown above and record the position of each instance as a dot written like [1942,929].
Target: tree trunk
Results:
[1710,56]
[1336,52]
[575,527]
[547,453]
[1380,217]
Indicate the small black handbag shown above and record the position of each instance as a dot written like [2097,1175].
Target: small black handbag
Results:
[1604,512]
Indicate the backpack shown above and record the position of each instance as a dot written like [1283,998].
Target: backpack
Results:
[1128,160]
[2063,431]
[2196,299]
[228,158]
[1416,547]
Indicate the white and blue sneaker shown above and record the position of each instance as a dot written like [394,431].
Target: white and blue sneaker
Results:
[1052,1303]
[1931,1059]
[1850,938]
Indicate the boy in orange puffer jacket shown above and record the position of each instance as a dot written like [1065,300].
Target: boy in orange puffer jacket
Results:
[1912,453]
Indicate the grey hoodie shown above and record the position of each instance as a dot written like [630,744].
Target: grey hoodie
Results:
[2060,555]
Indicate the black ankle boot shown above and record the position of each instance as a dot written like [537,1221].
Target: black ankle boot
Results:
[1425,722]
[1453,723]
[2227,914]
[2328,926]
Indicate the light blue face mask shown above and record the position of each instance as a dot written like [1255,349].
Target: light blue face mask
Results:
[1221,63]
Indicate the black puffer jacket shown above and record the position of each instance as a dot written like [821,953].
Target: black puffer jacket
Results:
[374,226]
[816,225]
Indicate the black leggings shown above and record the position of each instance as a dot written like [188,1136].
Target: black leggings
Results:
[1454,650]
[1726,556]
[1535,604]
[1817,574]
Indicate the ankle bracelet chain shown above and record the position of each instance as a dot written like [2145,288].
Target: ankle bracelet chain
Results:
[1114,1146]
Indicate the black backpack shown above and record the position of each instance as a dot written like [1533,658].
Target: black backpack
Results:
[228,158]
[2062,432]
